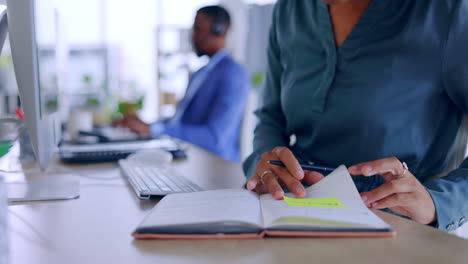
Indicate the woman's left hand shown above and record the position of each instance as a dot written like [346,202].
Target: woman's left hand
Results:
[402,193]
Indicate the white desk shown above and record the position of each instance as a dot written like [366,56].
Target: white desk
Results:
[96,229]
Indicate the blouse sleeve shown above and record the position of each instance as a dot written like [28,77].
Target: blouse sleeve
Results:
[450,193]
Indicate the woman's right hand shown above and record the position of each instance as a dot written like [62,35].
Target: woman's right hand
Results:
[272,179]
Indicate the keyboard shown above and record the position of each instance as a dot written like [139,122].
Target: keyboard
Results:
[154,181]
[118,133]
[105,134]
[104,152]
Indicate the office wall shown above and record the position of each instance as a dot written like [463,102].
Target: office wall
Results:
[130,25]
[114,38]
[255,61]
[237,38]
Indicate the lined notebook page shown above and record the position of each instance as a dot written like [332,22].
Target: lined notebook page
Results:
[206,207]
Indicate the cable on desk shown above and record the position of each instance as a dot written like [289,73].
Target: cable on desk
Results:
[99,178]
[102,184]
[96,178]
[80,174]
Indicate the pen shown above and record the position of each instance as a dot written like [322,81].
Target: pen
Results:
[304,166]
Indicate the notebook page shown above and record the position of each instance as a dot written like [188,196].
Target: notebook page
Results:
[337,184]
[219,206]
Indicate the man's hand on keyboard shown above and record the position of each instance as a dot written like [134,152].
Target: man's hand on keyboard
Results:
[134,123]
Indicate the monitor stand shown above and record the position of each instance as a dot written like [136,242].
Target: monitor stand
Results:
[42,190]
[27,185]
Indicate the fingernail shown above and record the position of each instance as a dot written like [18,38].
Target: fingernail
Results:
[367,169]
[375,204]
[250,185]
[300,174]
[279,194]
[300,191]
[352,168]
[364,198]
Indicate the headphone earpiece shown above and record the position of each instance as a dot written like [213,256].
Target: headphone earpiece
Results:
[218,29]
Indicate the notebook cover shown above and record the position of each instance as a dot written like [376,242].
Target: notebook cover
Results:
[278,233]
[270,233]
[199,236]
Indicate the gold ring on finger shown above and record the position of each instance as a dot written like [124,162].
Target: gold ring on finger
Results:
[263,175]
[405,170]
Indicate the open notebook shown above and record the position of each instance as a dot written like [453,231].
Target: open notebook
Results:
[332,207]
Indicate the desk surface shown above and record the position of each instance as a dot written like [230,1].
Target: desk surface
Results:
[96,228]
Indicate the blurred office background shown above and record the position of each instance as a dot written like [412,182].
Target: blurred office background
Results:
[120,51]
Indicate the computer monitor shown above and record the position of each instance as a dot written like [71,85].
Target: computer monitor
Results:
[32,28]
[39,96]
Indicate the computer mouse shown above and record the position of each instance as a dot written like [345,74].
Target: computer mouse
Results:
[151,157]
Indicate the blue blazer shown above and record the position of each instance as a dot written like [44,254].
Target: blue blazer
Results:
[212,119]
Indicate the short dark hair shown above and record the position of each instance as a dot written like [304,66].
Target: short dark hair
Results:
[218,13]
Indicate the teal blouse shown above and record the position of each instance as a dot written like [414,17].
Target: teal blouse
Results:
[398,86]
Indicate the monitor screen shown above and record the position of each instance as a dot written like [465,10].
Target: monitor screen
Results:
[33,32]
[33,37]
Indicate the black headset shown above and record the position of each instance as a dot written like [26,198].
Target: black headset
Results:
[218,28]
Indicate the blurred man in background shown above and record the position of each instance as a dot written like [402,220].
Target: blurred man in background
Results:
[211,112]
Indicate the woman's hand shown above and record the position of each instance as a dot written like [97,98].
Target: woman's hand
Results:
[402,193]
[272,179]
